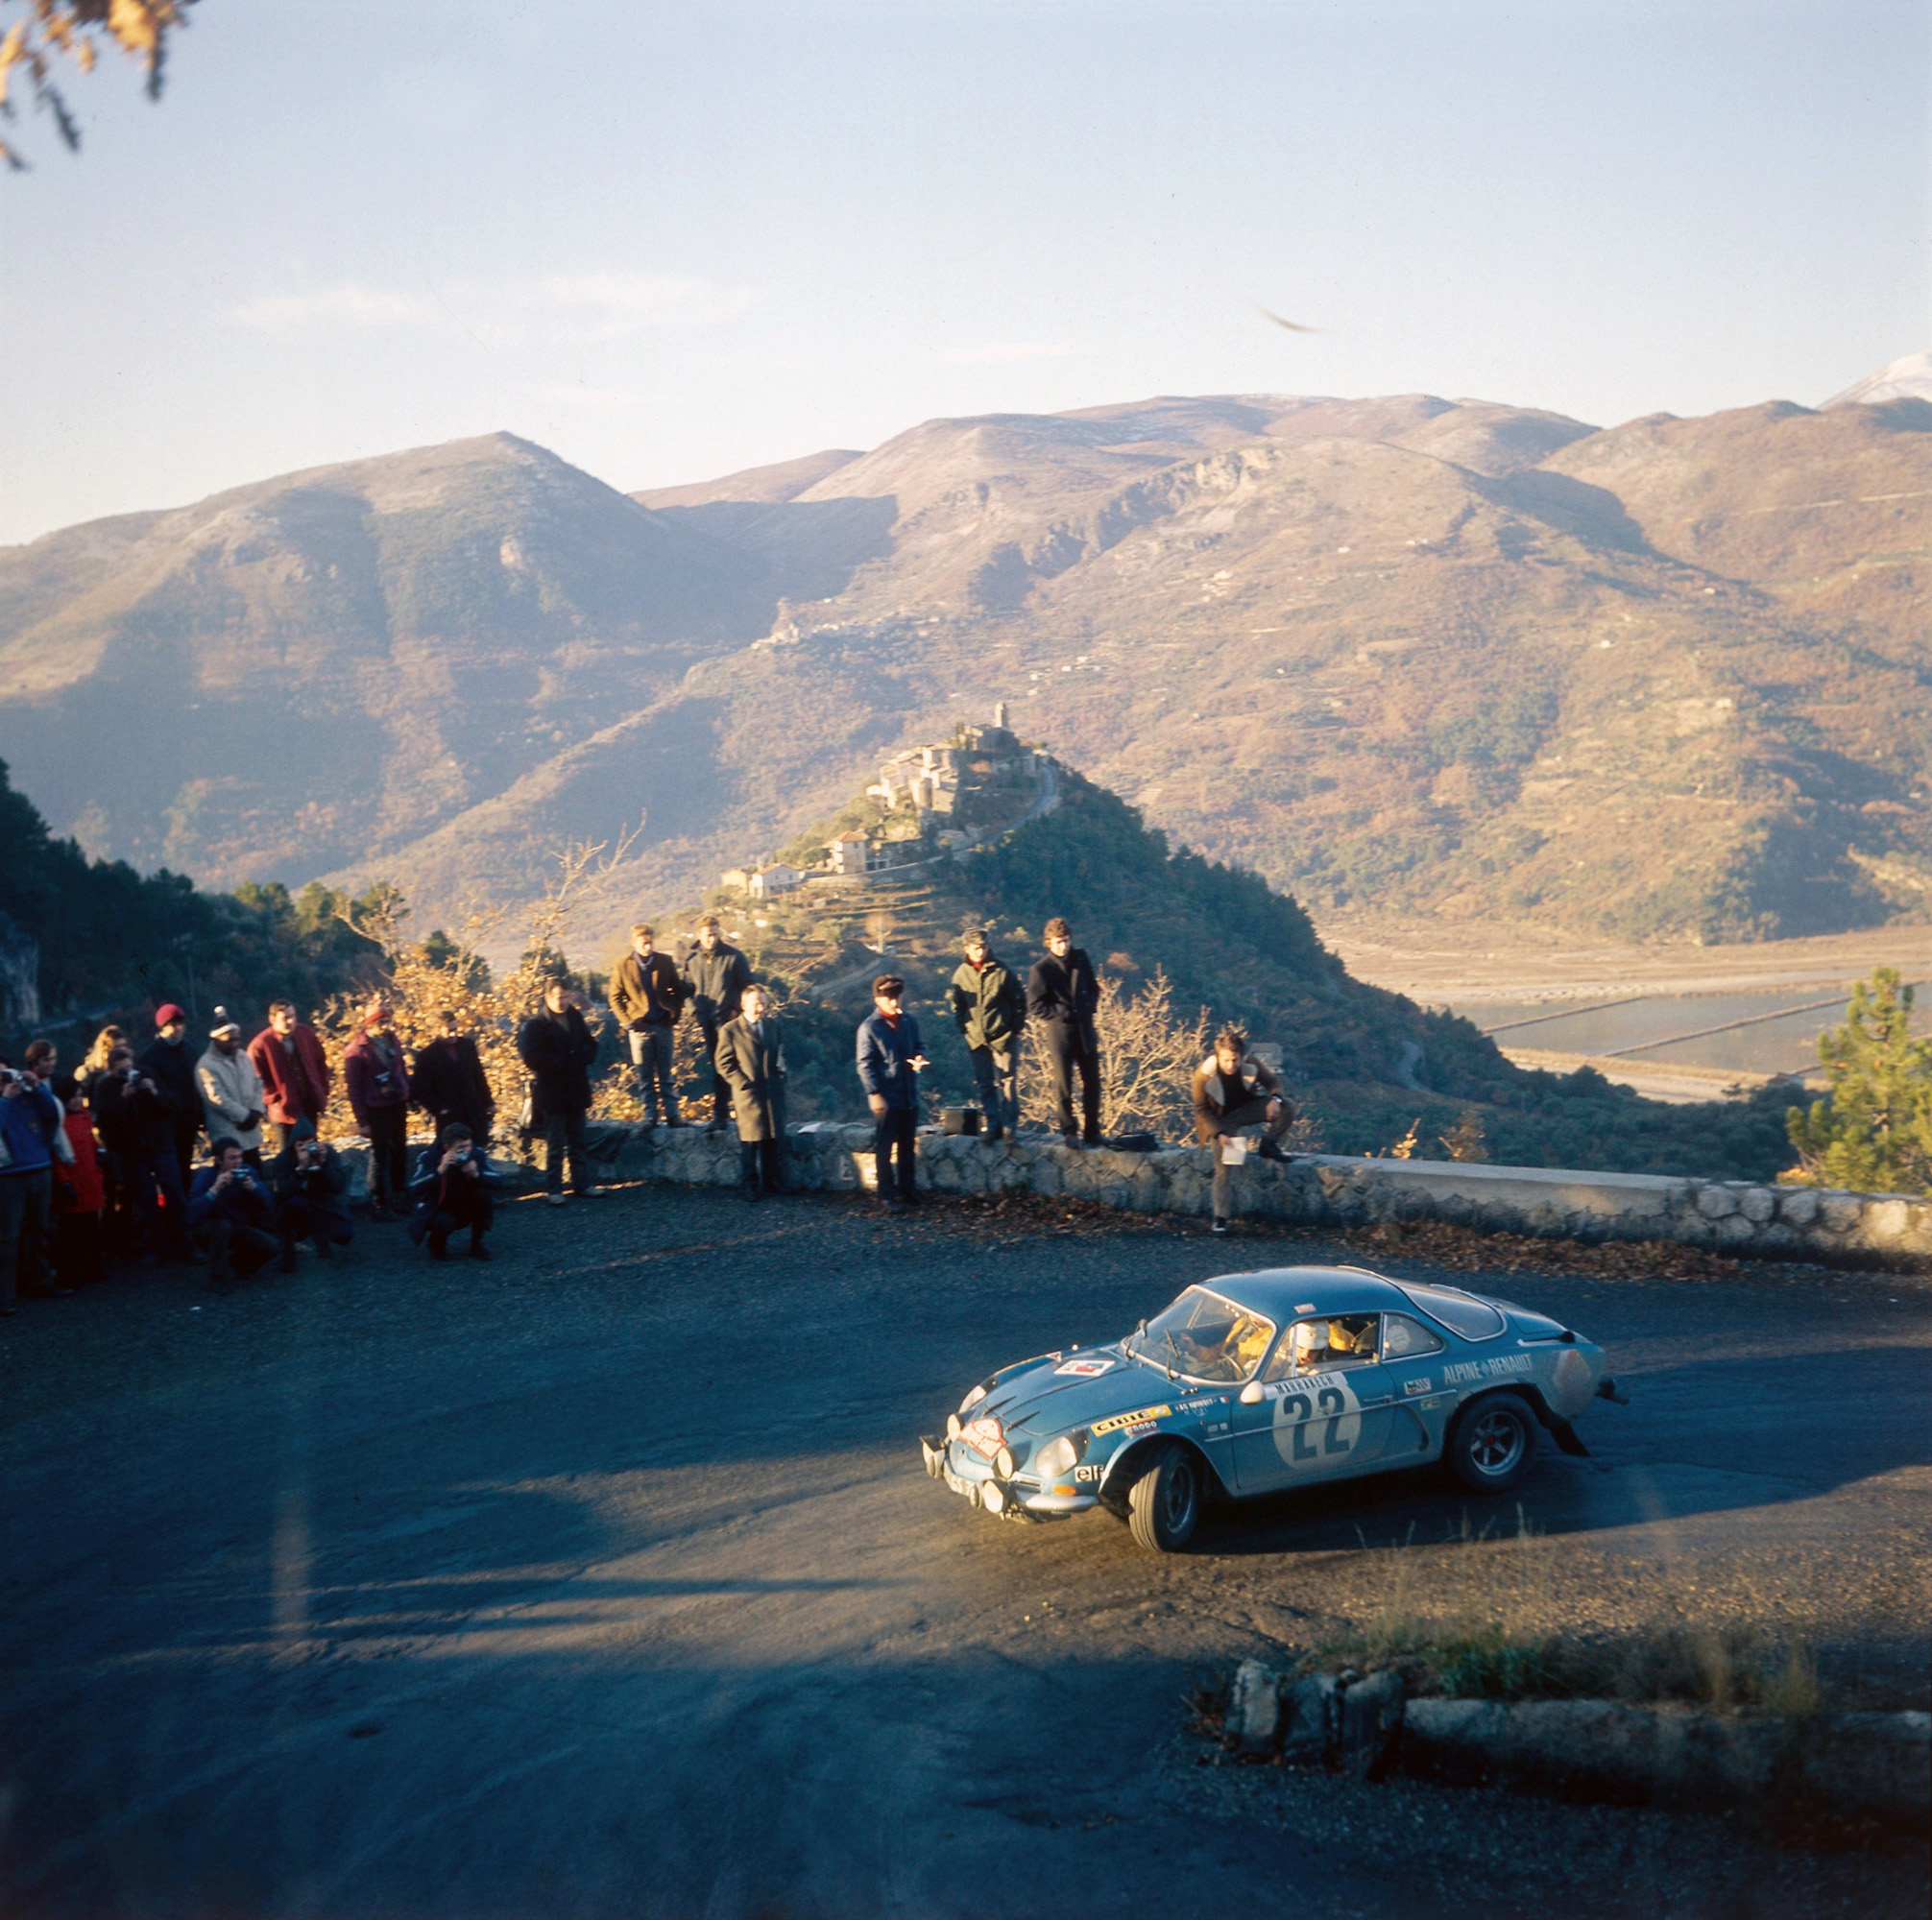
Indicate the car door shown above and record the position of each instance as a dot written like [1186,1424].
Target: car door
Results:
[1318,1418]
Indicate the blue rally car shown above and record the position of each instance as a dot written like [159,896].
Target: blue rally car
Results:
[1256,1382]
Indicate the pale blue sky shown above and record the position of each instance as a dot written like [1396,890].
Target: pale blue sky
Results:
[671,240]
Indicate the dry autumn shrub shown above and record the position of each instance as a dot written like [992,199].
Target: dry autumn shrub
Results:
[1148,1057]
[421,980]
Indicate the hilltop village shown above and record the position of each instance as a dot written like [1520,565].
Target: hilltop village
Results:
[929,804]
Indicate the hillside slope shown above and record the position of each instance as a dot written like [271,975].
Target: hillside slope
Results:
[1448,659]
[322,667]
[1369,1064]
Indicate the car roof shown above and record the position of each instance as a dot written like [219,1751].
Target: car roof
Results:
[1282,1292]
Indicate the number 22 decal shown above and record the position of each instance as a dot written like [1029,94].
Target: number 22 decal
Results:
[1334,1405]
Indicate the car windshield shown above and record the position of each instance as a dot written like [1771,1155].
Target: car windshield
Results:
[1205,1337]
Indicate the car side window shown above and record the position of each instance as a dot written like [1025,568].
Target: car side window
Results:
[1406,1339]
[1318,1345]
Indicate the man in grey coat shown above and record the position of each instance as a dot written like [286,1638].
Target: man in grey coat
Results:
[750,1060]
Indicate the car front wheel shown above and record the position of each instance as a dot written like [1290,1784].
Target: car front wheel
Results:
[1492,1444]
[1166,1501]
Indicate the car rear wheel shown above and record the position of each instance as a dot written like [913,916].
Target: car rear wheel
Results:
[1166,1501]
[1492,1444]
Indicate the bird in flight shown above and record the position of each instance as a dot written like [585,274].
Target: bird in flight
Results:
[1290,325]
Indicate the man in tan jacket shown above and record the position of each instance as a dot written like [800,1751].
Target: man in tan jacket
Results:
[1234,1091]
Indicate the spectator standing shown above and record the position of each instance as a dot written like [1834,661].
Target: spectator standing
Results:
[80,1194]
[890,1061]
[450,1083]
[95,1065]
[1063,995]
[716,976]
[230,1213]
[376,1078]
[309,1185]
[990,1006]
[135,1114]
[169,1061]
[453,1188]
[234,1105]
[647,996]
[293,1069]
[751,1061]
[558,1047]
[1233,1091]
[30,1117]
[120,1219]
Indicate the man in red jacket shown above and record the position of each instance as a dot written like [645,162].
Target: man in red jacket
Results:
[293,1070]
[376,1077]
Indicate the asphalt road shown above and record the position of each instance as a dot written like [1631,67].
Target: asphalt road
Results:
[605,1580]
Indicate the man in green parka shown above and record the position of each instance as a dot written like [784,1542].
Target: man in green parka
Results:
[990,1006]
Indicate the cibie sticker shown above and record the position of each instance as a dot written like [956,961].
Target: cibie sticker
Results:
[1133,1419]
[1084,1369]
[983,1435]
[1416,1386]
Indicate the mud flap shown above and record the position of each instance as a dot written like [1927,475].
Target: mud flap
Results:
[1567,1438]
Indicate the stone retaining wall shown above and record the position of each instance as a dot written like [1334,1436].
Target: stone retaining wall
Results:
[1325,1189]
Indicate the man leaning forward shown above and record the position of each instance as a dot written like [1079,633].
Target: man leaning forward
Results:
[1233,1092]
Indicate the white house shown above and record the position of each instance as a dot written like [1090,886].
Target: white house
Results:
[770,881]
[848,852]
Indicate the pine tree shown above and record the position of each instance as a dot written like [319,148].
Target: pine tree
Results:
[1872,1131]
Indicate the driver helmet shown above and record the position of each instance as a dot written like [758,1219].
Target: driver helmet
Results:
[1308,1338]
[1340,1340]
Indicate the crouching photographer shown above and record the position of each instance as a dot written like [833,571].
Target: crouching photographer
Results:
[310,1185]
[231,1216]
[453,1188]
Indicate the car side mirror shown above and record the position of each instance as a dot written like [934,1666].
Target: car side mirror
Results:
[1251,1394]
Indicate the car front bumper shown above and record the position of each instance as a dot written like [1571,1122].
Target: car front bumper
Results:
[966,1473]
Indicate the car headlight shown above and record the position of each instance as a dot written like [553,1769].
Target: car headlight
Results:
[1002,1463]
[952,1427]
[1054,1458]
[973,1399]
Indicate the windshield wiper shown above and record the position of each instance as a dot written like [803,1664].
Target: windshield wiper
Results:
[1168,1331]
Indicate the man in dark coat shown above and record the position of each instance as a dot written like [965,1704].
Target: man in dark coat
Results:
[453,1186]
[716,976]
[890,1060]
[990,1006]
[1063,995]
[647,996]
[169,1060]
[136,1117]
[375,1076]
[1234,1091]
[558,1047]
[293,1070]
[449,1081]
[230,1212]
[310,1185]
[751,1062]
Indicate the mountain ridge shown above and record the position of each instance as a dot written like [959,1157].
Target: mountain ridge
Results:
[1662,680]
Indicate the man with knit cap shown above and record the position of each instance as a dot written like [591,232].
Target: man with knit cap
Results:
[169,1061]
[234,1105]
[376,1078]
